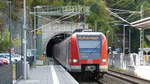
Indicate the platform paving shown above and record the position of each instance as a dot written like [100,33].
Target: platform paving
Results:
[48,74]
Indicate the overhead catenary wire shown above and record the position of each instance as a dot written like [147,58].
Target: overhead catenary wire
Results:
[56,20]
[117,16]
[118,2]
[124,11]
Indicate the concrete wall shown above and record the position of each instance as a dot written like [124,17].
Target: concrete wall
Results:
[52,29]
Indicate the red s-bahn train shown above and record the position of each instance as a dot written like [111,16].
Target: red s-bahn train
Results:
[83,51]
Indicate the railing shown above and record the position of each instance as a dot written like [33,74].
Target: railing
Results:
[144,55]
[19,70]
[64,10]
[133,59]
[119,61]
[19,67]
[6,74]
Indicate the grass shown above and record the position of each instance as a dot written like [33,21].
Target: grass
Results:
[122,71]
[14,71]
[117,69]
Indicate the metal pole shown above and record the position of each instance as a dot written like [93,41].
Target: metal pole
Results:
[95,26]
[141,37]
[141,11]
[35,33]
[130,46]
[124,39]
[25,41]
[124,27]
[141,30]
[129,41]
[9,2]
[34,27]
[10,45]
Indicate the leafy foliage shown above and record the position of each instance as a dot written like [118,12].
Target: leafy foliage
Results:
[4,41]
[2,5]
[99,16]
[16,42]
[132,5]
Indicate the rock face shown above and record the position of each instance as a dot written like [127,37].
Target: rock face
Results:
[15,23]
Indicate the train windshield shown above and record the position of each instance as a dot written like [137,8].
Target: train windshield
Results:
[89,47]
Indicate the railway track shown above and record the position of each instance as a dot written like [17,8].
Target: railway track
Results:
[125,78]
[85,78]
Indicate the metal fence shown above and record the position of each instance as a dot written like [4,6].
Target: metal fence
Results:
[133,59]
[120,61]
[19,70]
[30,60]
[6,74]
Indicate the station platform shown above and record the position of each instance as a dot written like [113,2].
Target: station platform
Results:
[48,74]
[141,71]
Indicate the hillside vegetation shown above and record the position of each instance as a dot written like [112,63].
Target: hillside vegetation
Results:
[99,16]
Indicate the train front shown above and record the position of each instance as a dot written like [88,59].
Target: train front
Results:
[89,52]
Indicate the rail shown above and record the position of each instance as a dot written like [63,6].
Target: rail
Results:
[128,78]
[19,70]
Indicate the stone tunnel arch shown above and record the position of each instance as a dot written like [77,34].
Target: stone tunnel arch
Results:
[54,40]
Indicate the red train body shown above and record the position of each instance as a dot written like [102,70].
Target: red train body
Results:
[83,51]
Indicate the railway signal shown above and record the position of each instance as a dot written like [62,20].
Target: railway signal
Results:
[38,31]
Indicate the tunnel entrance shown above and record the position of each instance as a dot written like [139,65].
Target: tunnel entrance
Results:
[54,40]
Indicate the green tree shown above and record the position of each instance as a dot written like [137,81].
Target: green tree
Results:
[133,5]
[16,42]
[4,41]
[2,5]
[101,16]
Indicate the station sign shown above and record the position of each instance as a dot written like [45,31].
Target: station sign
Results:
[88,37]
[31,52]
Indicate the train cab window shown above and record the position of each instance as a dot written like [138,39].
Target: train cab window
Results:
[89,46]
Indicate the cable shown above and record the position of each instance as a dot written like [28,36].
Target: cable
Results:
[117,16]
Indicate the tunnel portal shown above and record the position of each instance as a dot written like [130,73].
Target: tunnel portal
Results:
[54,40]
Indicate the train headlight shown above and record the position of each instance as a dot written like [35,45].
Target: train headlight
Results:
[74,60]
[104,60]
